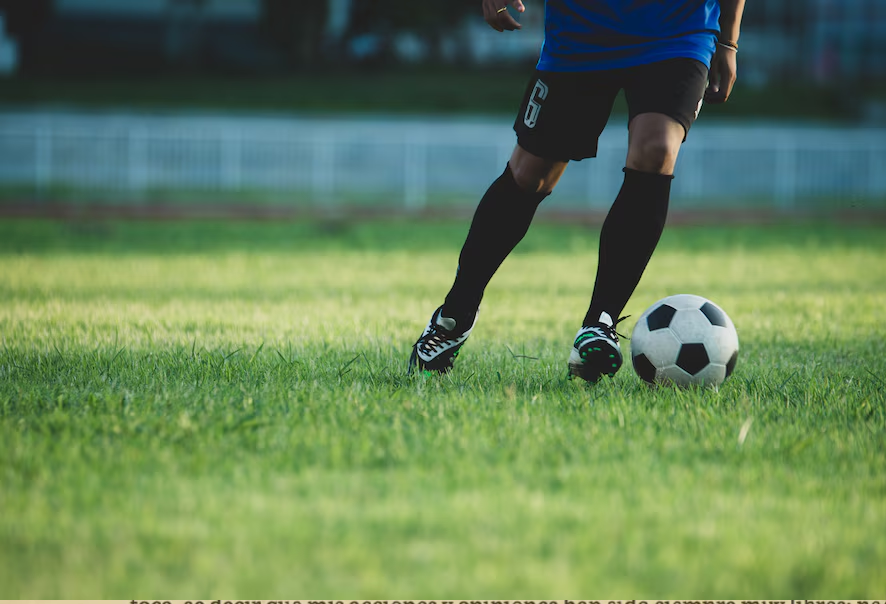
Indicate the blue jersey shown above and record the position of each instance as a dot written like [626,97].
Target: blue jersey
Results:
[590,35]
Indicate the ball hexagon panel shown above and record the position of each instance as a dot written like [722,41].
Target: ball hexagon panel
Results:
[674,375]
[712,375]
[661,347]
[722,344]
[684,301]
[690,326]
[641,330]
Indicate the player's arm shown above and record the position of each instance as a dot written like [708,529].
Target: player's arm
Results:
[724,64]
[496,14]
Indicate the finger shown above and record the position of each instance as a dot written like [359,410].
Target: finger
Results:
[518,6]
[719,87]
[713,83]
[726,74]
[508,23]
[715,96]
[724,88]
[730,84]
[505,21]
[490,7]
[712,92]
[491,13]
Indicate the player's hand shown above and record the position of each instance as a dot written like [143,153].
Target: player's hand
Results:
[496,14]
[724,68]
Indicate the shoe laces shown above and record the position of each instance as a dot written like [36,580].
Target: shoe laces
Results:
[611,331]
[436,339]
[620,335]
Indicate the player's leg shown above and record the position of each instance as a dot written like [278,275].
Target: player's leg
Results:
[629,234]
[640,209]
[663,100]
[500,222]
[546,125]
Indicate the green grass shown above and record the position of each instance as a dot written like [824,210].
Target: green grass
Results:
[213,408]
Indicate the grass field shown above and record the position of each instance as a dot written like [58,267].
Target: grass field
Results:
[220,410]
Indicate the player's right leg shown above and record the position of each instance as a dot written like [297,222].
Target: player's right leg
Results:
[500,222]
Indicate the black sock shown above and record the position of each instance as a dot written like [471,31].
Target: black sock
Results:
[629,236]
[501,220]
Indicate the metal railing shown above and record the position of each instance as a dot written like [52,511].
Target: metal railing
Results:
[412,163]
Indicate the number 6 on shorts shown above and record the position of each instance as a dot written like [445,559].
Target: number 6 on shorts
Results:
[539,93]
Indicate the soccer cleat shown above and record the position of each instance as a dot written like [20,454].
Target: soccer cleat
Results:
[438,345]
[596,351]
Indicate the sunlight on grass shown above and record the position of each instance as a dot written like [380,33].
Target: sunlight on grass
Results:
[196,408]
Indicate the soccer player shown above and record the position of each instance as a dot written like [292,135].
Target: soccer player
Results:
[668,56]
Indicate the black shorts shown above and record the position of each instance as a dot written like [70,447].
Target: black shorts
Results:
[563,113]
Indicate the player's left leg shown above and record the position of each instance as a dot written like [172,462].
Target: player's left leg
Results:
[663,100]
[640,210]
[628,237]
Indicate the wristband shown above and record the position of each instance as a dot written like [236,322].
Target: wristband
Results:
[729,45]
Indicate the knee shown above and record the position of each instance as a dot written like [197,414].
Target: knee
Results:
[530,180]
[655,154]
[533,174]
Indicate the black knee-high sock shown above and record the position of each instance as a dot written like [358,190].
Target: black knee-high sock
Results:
[501,220]
[629,236]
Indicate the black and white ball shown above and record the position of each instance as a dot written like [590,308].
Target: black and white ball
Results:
[684,340]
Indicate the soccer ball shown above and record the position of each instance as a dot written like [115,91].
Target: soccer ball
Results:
[684,340]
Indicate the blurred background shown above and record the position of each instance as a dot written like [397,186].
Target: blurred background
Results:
[289,107]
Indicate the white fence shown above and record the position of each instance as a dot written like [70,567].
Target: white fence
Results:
[412,163]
